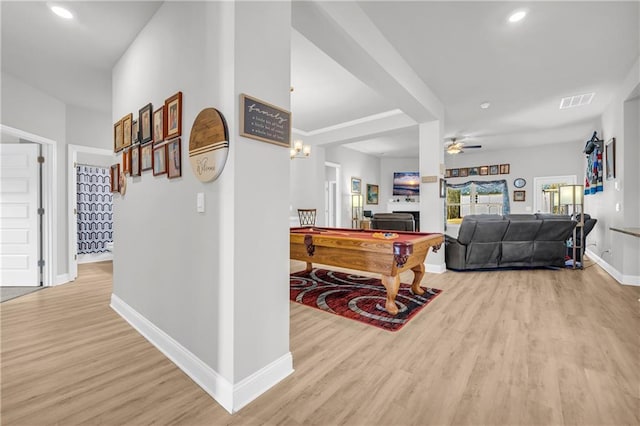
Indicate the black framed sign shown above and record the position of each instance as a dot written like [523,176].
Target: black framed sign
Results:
[264,122]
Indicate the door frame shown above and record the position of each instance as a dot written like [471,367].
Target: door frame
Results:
[72,179]
[49,196]
[543,180]
[338,199]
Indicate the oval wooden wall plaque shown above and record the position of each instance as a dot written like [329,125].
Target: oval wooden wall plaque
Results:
[208,145]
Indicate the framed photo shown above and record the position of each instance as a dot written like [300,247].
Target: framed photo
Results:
[135,136]
[159,160]
[443,188]
[610,158]
[474,171]
[114,177]
[484,170]
[504,169]
[447,173]
[135,160]
[174,159]
[493,170]
[126,161]
[518,195]
[146,157]
[145,122]
[372,194]
[455,172]
[118,136]
[464,172]
[356,185]
[173,109]
[126,129]
[159,125]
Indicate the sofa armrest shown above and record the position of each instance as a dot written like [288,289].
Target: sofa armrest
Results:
[455,254]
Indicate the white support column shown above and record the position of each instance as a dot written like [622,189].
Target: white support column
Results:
[431,205]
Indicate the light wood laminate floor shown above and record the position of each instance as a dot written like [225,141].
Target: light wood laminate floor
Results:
[501,348]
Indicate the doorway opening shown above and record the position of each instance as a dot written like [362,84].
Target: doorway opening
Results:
[332,204]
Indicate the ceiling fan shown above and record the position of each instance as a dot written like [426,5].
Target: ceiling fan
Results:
[456,147]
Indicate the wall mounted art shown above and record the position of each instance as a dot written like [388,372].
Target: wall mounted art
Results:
[118,136]
[159,125]
[173,119]
[145,121]
[159,160]
[174,159]
[264,122]
[135,160]
[208,145]
[146,157]
[126,130]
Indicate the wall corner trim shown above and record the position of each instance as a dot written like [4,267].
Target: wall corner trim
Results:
[435,269]
[633,280]
[62,279]
[231,397]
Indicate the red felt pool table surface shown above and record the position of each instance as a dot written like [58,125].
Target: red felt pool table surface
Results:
[361,250]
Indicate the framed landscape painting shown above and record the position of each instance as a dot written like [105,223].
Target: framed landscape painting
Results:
[372,194]
[356,185]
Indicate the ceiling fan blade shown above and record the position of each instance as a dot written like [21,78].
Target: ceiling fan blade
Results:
[473,146]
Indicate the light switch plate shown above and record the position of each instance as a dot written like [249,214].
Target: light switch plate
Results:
[200,202]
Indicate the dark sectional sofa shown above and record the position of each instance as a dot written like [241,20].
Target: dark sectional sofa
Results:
[512,241]
[393,221]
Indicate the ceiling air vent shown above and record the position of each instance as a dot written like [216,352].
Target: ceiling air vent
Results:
[576,101]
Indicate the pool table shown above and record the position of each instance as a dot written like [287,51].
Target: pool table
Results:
[360,249]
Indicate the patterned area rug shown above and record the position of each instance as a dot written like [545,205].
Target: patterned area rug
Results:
[356,297]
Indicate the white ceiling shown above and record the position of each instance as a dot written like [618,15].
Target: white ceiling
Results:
[464,52]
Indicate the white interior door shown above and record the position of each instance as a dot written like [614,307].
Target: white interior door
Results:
[19,192]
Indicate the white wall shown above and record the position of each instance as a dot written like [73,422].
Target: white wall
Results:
[214,282]
[620,121]
[306,184]
[354,164]
[527,162]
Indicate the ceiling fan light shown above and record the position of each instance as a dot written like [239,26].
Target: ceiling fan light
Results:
[485,105]
[517,16]
[62,12]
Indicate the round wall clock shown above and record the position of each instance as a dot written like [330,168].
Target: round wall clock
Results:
[519,183]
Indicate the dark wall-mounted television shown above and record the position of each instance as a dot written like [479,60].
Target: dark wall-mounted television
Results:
[406,183]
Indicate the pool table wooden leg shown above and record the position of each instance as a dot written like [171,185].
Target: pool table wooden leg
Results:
[418,273]
[309,267]
[392,284]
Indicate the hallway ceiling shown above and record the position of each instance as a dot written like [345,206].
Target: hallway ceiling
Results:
[464,52]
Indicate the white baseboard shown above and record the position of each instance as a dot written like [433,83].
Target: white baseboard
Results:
[62,279]
[633,280]
[231,397]
[94,257]
[435,269]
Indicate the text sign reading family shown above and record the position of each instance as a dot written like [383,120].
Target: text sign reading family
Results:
[265,122]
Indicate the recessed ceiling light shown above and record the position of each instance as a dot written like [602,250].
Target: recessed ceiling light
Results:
[517,16]
[485,105]
[61,12]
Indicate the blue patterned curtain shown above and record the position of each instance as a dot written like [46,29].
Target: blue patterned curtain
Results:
[95,216]
[487,187]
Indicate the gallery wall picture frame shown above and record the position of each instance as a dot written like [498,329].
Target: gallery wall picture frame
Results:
[610,158]
[443,188]
[118,136]
[484,170]
[127,122]
[519,195]
[159,124]
[114,177]
[504,169]
[447,173]
[494,169]
[474,171]
[372,193]
[455,172]
[136,170]
[464,172]
[135,136]
[159,160]
[356,185]
[126,161]
[146,157]
[173,111]
[174,158]
[145,123]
